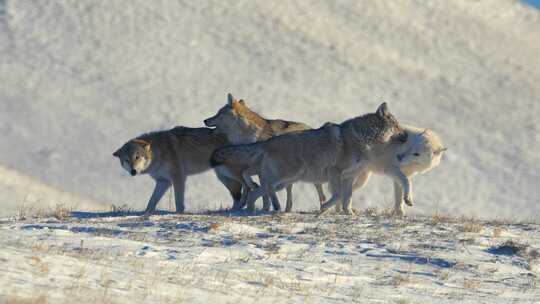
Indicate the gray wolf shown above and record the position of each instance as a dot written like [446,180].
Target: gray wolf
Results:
[420,153]
[244,126]
[170,156]
[333,153]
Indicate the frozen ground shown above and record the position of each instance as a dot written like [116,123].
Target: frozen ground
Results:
[79,78]
[218,258]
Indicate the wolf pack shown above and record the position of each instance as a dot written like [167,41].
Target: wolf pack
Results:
[239,144]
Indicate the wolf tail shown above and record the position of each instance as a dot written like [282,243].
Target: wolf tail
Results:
[236,155]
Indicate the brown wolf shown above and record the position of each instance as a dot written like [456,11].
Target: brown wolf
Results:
[244,126]
[170,156]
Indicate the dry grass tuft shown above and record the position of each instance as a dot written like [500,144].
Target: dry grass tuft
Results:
[214,227]
[471,226]
[59,212]
[497,231]
[41,299]
[442,274]
[399,280]
[439,218]
[471,284]
[121,209]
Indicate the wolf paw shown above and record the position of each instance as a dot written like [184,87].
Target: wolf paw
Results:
[238,205]
[349,211]
[250,209]
[408,200]
[322,211]
[398,212]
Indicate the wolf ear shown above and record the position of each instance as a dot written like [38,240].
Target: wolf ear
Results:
[145,144]
[242,102]
[382,110]
[230,99]
[439,151]
[116,153]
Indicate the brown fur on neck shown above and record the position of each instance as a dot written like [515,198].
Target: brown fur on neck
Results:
[249,115]
[255,123]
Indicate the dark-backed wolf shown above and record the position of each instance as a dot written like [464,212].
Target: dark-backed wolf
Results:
[333,153]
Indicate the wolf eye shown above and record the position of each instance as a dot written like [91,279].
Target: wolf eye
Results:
[416,154]
[137,157]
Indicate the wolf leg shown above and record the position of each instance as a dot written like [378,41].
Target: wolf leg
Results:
[346,195]
[246,189]
[248,180]
[275,201]
[320,193]
[335,188]
[243,198]
[398,200]
[330,203]
[361,180]
[235,189]
[159,190]
[179,184]
[288,206]
[252,196]
[272,198]
[266,203]
[232,179]
[404,182]
[334,185]
[358,182]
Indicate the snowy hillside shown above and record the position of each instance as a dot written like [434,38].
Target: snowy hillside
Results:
[79,78]
[24,194]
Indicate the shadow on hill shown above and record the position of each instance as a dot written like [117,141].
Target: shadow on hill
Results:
[508,248]
[238,213]
[441,263]
[90,214]
[223,213]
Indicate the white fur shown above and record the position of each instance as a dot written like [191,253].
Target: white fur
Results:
[421,153]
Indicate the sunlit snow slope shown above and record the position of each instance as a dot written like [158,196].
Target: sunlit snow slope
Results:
[79,78]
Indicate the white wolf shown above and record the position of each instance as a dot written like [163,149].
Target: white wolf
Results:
[421,152]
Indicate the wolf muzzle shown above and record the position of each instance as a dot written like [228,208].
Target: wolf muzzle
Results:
[208,123]
[133,172]
[401,138]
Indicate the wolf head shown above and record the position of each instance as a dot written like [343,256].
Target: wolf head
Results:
[380,127]
[227,115]
[422,152]
[135,156]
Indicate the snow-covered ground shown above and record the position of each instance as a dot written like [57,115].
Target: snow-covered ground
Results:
[79,78]
[296,258]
